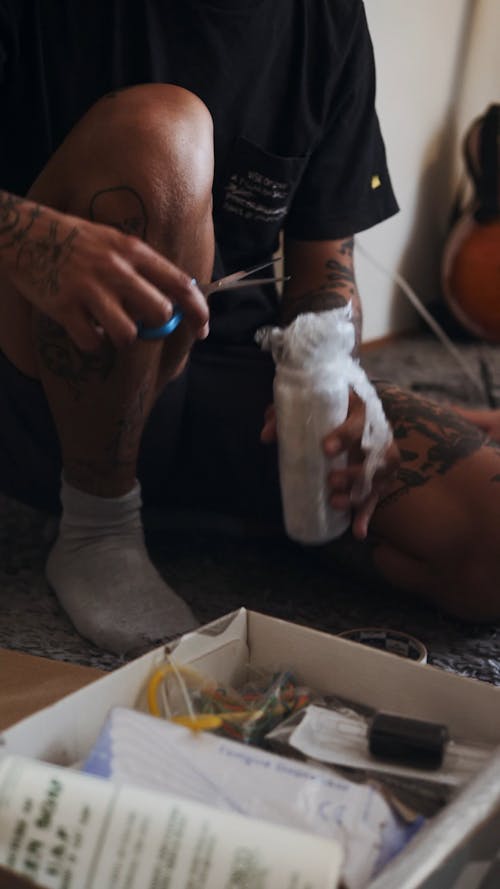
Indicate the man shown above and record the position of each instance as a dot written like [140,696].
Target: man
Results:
[121,214]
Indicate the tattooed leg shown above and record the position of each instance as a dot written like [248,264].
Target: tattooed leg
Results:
[149,175]
[100,402]
[437,532]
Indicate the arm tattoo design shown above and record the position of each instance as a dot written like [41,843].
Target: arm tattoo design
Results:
[43,257]
[12,231]
[347,247]
[42,254]
[339,289]
[122,208]
[443,438]
[63,358]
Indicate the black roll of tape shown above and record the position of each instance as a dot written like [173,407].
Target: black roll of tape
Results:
[414,742]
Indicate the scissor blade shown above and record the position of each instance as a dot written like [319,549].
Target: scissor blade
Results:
[248,282]
[228,280]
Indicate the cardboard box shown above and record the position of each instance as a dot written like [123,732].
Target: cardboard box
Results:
[454,851]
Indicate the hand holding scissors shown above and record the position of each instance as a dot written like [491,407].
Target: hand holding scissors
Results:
[234,281]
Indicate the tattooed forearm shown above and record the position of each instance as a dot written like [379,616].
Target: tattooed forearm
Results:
[340,275]
[439,438]
[32,243]
[65,360]
[336,290]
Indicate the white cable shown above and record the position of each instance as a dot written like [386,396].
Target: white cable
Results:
[418,305]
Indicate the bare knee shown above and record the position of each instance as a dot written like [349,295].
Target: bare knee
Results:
[147,149]
[166,124]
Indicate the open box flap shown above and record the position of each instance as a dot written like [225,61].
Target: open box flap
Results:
[64,732]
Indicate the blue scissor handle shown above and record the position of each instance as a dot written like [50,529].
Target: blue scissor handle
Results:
[158,333]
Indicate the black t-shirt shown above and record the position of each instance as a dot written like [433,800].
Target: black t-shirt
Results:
[290,85]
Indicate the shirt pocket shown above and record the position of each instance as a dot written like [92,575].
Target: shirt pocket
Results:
[254,197]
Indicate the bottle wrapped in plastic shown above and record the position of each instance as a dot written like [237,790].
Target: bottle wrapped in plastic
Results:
[314,373]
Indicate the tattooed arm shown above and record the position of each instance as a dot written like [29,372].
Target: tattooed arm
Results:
[322,277]
[88,276]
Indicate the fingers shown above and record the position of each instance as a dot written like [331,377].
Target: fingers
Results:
[111,279]
[169,281]
[127,291]
[344,484]
[120,280]
[84,333]
[345,481]
[118,325]
[348,435]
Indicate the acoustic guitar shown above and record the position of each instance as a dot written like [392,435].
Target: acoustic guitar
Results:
[471,260]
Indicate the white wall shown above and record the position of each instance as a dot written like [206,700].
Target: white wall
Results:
[437,68]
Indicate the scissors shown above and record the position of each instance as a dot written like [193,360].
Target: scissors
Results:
[234,281]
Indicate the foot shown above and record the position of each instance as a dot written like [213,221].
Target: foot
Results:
[104,579]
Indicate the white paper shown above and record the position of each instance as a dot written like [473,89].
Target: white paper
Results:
[66,830]
[153,753]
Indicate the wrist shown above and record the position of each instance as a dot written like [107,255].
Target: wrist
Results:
[18,220]
[34,242]
[321,300]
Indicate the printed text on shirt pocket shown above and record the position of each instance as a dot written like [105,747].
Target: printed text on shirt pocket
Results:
[259,185]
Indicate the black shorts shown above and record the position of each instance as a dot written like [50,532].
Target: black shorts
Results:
[200,447]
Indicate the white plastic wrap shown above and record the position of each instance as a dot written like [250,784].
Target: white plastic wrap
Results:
[314,373]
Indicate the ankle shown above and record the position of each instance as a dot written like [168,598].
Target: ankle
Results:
[92,515]
[99,483]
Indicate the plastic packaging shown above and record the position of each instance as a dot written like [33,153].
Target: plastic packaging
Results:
[314,374]
[183,695]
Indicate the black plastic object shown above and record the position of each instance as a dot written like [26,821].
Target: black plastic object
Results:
[413,742]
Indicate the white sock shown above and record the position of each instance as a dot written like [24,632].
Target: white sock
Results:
[102,575]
